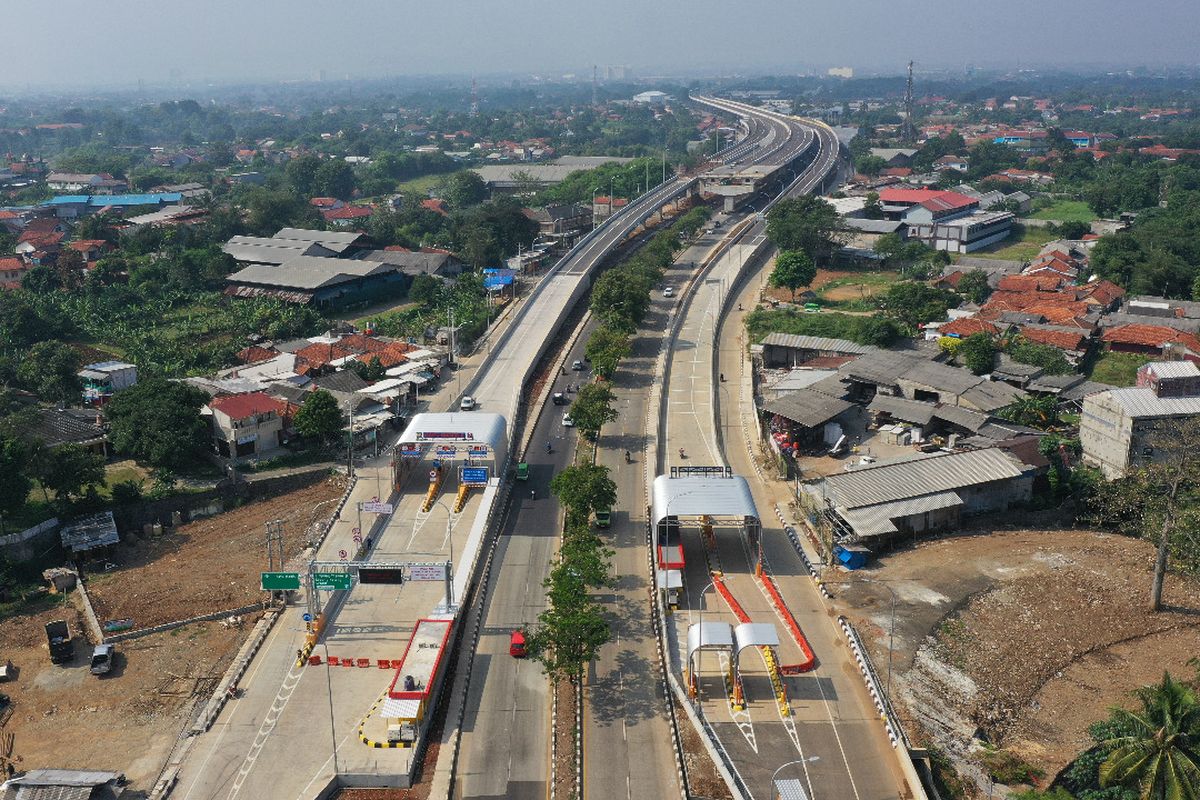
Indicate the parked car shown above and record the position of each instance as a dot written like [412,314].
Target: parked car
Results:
[669,292]
[103,656]
[467,403]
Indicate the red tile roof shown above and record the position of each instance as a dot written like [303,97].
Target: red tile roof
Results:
[393,354]
[1103,292]
[254,354]
[434,204]
[967,326]
[1063,340]
[910,196]
[361,343]
[951,280]
[347,212]
[325,202]
[1028,283]
[1151,336]
[320,353]
[949,201]
[240,406]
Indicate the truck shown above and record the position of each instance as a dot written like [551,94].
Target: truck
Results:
[103,657]
[62,646]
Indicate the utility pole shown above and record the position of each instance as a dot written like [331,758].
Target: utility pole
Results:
[274,543]
[909,130]
[350,441]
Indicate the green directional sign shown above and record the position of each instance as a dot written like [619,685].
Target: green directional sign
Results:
[280,581]
[331,581]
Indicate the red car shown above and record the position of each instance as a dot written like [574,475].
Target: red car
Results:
[516,645]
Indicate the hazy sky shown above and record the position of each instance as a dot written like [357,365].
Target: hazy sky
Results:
[78,42]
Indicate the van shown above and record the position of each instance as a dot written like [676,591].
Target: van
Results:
[603,517]
[102,658]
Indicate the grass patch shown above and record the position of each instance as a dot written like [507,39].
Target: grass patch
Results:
[1023,245]
[872,330]
[1118,369]
[421,186]
[288,460]
[855,292]
[1009,768]
[1065,211]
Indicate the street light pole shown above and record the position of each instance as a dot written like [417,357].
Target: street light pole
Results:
[891,632]
[700,640]
[782,767]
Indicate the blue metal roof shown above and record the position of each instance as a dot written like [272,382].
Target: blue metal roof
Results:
[101,200]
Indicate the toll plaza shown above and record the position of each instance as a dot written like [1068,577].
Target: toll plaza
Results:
[386,612]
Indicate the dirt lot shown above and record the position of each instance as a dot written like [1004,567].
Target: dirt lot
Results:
[208,565]
[1023,636]
[127,721]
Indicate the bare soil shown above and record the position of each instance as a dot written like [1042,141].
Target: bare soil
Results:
[702,776]
[208,565]
[127,721]
[1021,637]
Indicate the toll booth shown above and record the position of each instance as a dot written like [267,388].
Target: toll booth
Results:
[469,446]
[416,680]
[711,496]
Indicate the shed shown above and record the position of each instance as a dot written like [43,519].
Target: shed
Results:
[90,533]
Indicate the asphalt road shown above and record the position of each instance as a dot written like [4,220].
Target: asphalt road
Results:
[505,733]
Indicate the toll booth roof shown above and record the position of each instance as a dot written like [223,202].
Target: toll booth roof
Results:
[696,496]
[421,659]
[477,427]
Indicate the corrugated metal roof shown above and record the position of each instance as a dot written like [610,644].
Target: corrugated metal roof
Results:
[337,241]
[992,395]
[963,417]
[939,472]
[881,366]
[695,496]
[1082,390]
[309,272]
[807,407]
[940,377]
[799,378]
[903,409]
[1173,369]
[817,343]
[876,520]
[1142,402]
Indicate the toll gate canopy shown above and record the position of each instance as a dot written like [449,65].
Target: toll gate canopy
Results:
[727,500]
[471,436]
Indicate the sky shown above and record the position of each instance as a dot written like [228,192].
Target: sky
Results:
[119,42]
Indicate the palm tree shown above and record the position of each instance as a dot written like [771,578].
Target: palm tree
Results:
[1161,756]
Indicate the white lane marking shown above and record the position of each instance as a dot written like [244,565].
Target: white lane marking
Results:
[836,735]
[279,626]
[286,689]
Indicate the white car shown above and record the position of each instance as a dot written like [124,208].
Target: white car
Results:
[467,403]
[567,421]
[669,292]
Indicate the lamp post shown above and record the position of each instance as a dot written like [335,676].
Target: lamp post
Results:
[783,766]
[891,631]
[441,502]
[594,207]
[700,638]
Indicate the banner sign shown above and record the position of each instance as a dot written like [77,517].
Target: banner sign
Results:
[431,436]
[447,451]
[474,476]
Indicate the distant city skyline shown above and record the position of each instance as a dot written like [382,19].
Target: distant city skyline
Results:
[228,41]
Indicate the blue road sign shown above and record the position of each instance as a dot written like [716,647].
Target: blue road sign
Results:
[307,617]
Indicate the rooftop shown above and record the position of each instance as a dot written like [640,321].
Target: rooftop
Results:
[915,477]
[807,407]
[1140,402]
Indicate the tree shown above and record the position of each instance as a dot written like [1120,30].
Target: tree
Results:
[889,246]
[69,268]
[68,468]
[48,370]
[464,189]
[319,417]
[805,223]
[335,178]
[41,280]
[869,165]
[872,209]
[1156,501]
[158,422]
[914,304]
[301,173]
[592,408]
[426,290]
[978,353]
[793,269]
[569,635]
[1036,411]
[583,488]
[1047,357]
[605,349]
[14,478]
[974,286]
[1161,756]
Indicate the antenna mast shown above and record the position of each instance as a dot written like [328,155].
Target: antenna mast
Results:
[909,130]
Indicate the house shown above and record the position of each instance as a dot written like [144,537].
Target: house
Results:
[55,427]
[247,424]
[288,243]
[1122,429]
[561,220]
[104,379]
[1074,342]
[12,270]
[85,183]
[1152,340]
[878,503]
[347,216]
[915,377]
[895,156]
[789,350]
[959,163]
[441,264]
[604,206]
[89,249]
[897,202]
